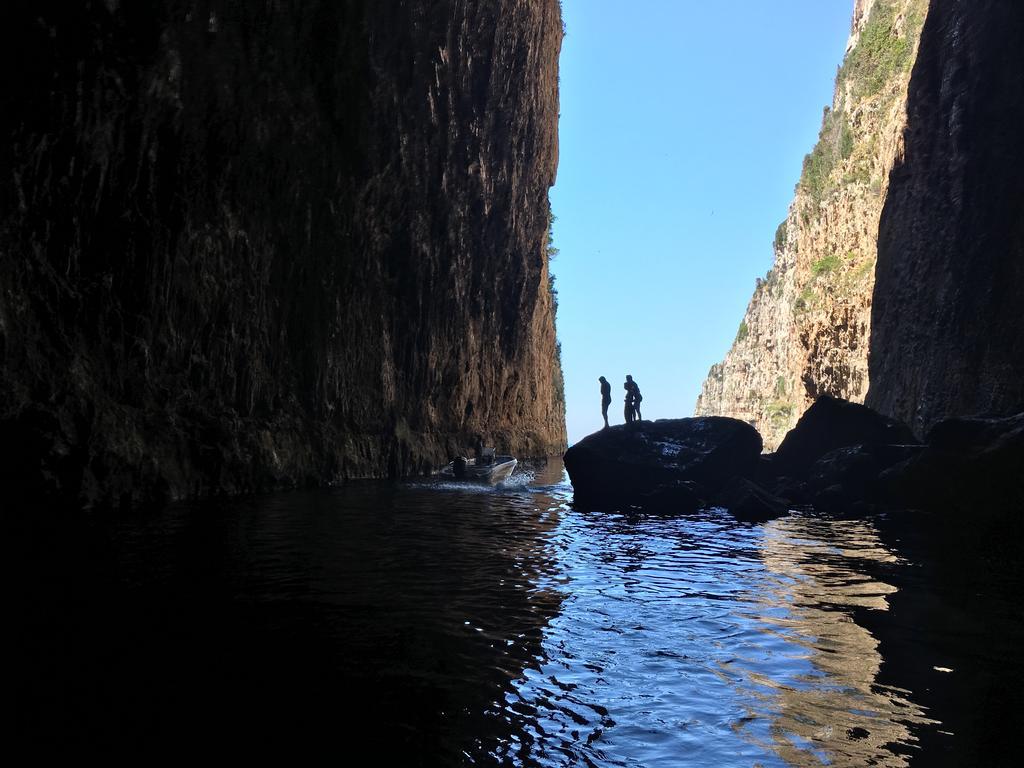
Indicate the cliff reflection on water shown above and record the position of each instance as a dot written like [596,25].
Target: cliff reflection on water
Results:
[445,624]
[702,642]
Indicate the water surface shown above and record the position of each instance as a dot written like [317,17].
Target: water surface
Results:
[445,624]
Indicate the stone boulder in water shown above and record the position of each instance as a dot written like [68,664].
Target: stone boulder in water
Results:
[628,464]
[830,424]
[970,465]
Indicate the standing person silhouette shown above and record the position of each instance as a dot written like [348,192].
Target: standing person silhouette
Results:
[637,397]
[629,411]
[606,398]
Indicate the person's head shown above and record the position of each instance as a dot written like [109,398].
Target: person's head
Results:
[628,377]
[601,379]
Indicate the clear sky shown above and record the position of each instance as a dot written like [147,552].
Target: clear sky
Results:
[683,128]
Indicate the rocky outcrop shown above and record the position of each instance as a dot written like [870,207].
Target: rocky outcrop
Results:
[806,330]
[948,331]
[679,462]
[968,471]
[832,424]
[245,246]
[971,467]
[841,458]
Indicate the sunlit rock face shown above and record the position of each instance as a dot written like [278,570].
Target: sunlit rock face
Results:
[806,330]
[861,10]
[948,329]
[245,246]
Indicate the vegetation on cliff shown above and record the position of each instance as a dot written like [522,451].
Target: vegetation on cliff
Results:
[881,57]
[551,251]
[808,323]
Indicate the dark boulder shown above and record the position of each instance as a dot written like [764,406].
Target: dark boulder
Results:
[749,502]
[969,465]
[627,464]
[853,470]
[830,424]
[797,491]
[766,474]
[856,469]
[985,439]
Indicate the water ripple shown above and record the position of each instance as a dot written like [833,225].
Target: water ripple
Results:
[465,625]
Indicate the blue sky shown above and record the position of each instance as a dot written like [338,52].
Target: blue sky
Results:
[683,127]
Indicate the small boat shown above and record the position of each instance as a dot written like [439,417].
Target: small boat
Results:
[487,468]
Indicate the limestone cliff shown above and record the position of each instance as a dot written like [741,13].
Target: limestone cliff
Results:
[246,246]
[805,332]
[948,336]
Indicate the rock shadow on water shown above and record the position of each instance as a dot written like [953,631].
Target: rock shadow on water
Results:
[304,624]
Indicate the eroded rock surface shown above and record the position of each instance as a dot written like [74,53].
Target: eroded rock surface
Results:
[247,246]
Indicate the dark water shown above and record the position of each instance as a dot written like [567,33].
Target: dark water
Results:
[436,624]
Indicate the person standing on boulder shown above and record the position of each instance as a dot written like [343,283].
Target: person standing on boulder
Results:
[629,411]
[606,398]
[634,390]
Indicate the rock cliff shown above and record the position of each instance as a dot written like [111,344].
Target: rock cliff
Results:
[948,336]
[805,332]
[247,246]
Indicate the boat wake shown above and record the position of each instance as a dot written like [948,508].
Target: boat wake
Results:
[520,480]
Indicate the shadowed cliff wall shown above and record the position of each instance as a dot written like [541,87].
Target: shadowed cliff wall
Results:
[947,325]
[246,246]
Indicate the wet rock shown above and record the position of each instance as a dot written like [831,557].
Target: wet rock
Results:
[627,463]
[795,490]
[749,502]
[969,465]
[766,473]
[856,471]
[831,424]
[853,470]
[984,440]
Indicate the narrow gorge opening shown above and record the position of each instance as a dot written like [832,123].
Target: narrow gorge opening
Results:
[293,463]
[679,155]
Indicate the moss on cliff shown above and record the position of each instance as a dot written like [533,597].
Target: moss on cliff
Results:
[885,48]
[880,59]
